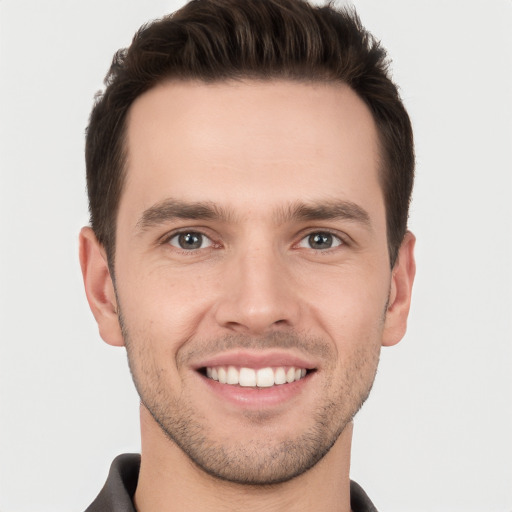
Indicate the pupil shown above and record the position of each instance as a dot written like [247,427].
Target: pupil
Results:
[320,241]
[190,240]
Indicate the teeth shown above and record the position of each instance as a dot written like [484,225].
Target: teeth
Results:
[249,377]
[265,378]
[280,376]
[232,376]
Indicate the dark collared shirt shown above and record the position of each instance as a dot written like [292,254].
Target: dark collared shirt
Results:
[117,494]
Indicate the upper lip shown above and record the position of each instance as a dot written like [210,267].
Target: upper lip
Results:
[254,359]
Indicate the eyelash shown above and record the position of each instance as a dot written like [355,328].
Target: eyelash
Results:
[338,240]
[341,241]
[176,234]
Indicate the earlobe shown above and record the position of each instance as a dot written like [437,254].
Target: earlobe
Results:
[402,279]
[99,287]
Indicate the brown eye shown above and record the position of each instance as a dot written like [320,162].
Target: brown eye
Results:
[320,240]
[190,241]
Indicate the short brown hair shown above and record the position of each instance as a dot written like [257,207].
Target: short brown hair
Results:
[216,40]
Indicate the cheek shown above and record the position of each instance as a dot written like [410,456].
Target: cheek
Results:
[350,310]
[164,305]
[349,299]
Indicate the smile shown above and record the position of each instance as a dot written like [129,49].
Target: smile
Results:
[261,378]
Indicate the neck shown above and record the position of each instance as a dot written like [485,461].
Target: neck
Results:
[169,481]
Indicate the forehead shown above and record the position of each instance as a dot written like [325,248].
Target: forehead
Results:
[240,142]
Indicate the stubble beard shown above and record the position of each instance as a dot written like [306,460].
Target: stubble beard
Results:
[255,461]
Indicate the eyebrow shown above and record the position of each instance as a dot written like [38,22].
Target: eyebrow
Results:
[172,209]
[326,210]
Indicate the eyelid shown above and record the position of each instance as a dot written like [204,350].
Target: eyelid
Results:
[342,237]
[204,239]
[165,239]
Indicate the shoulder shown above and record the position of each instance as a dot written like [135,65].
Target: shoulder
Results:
[118,491]
[359,500]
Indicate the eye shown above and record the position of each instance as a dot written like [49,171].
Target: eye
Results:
[190,241]
[320,240]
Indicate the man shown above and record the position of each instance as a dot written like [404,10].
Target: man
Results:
[249,170]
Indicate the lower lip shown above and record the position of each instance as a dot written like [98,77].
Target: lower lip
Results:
[258,398]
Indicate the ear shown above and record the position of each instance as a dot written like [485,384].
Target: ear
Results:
[99,287]
[402,278]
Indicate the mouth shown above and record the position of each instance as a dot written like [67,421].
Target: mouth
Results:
[247,377]
[270,380]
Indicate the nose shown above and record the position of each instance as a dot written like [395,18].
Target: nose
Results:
[258,294]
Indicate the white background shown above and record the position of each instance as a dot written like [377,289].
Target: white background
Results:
[436,433]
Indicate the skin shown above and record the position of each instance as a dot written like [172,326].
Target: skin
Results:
[254,170]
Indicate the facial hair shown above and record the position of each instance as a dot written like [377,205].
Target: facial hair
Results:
[258,459]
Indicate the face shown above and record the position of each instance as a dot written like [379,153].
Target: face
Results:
[252,274]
